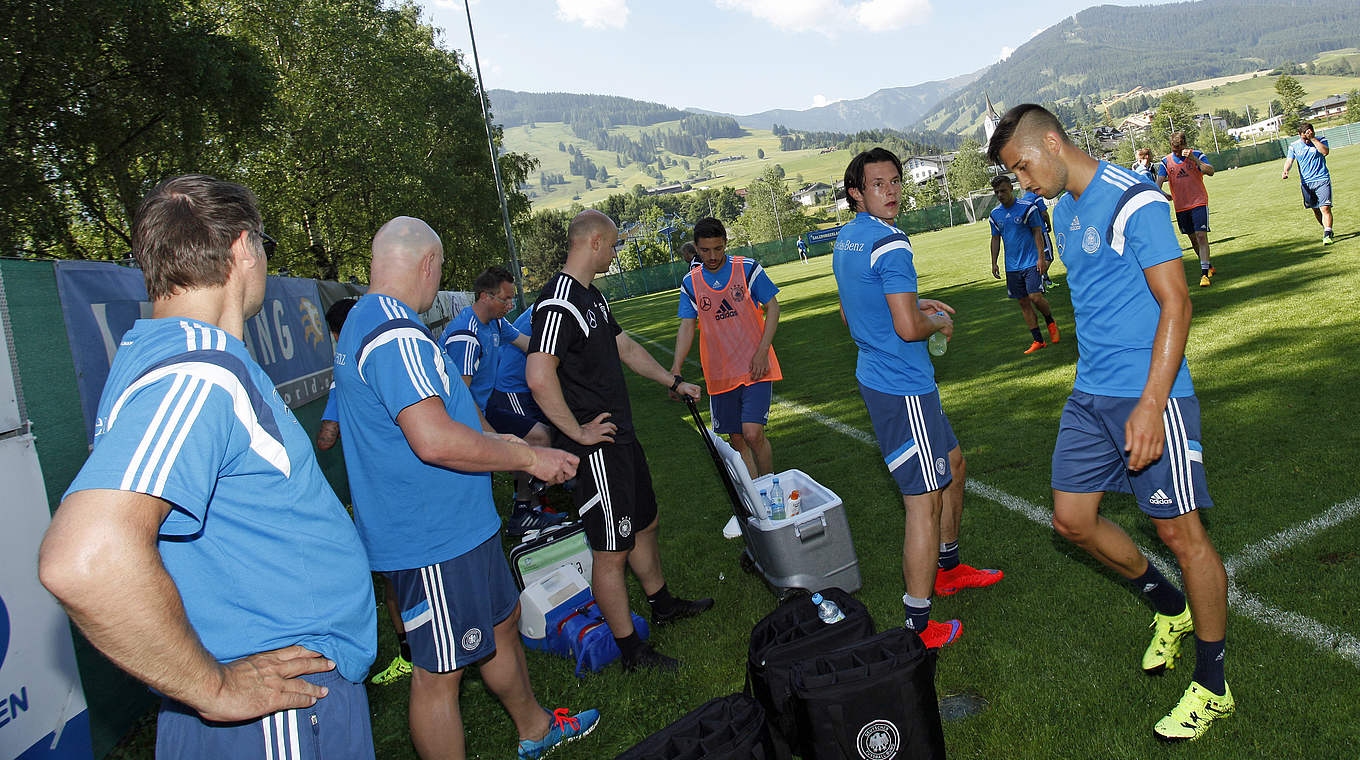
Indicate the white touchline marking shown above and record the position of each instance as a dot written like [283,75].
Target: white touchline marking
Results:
[1264,549]
[1311,631]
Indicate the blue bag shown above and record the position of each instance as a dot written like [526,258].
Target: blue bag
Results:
[577,628]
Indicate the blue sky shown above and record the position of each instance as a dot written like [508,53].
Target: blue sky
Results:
[739,56]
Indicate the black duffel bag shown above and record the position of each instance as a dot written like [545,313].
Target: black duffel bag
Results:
[787,636]
[725,728]
[872,700]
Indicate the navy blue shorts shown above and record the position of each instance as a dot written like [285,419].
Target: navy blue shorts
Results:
[1193,220]
[1090,458]
[336,726]
[747,403]
[1022,282]
[1317,197]
[514,413]
[450,609]
[914,437]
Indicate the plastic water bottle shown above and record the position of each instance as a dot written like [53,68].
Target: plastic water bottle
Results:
[938,343]
[777,499]
[765,504]
[827,610]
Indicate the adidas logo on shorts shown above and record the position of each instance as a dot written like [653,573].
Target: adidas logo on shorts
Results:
[1159,497]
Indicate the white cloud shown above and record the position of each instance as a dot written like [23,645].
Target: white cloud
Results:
[819,100]
[594,14]
[1005,53]
[831,17]
[1036,32]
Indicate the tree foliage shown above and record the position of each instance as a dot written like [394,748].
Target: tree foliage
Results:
[1175,113]
[968,171]
[1292,96]
[1353,106]
[340,114]
[771,213]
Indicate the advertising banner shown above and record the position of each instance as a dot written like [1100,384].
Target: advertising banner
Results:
[817,236]
[101,300]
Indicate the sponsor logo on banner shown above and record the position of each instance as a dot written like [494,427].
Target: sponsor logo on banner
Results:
[878,740]
[4,632]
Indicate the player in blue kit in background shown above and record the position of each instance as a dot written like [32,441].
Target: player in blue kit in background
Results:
[1132,421]
[419,470]
[872,261]
[1020,224]
[1042,208]
[1315,180]
[200,547]
[476,341]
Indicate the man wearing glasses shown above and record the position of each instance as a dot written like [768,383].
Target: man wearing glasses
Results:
[872,260]
[473,342]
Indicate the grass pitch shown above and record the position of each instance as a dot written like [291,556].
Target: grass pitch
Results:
[1054,648]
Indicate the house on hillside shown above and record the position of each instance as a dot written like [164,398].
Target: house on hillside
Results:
[1136,122]
[924,168]
[1328,106]
[1263,127]
[812,194]
[678,187]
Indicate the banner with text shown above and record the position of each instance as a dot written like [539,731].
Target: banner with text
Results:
[288,337]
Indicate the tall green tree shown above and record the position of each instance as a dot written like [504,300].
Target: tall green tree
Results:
[771,211]
[542,239]
[1353,106]
[1175,113]
[968,171]
[1292,97]
[104,99]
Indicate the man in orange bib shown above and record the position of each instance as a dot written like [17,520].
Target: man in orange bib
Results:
[1186,169]
[732,302]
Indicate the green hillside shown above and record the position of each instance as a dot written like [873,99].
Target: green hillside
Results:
[541,141]
[1258,92]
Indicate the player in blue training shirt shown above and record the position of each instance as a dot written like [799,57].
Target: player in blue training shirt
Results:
[1310,151]
[1019,223]
[872,261]
[200,547]
[1042,208]
[418,466]
[1132,421]
[476,342]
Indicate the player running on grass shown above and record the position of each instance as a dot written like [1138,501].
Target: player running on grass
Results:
[1132,421]
[1310,151]
[1020,225]
[872,261]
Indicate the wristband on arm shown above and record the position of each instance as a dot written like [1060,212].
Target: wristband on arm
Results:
[678,380]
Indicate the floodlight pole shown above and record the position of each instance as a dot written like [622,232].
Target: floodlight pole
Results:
[775,206]
[495,165]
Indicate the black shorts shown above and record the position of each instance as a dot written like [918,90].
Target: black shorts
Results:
[614,495]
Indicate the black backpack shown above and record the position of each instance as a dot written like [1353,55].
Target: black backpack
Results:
[726,728]
[786,637]
[871,700]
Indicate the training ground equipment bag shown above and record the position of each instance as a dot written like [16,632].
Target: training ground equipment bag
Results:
[786,637]
[554,591]
[575,627]
[541,552]
[871,700]
[725,728]
[811,550]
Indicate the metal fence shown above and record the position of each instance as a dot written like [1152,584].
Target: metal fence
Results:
[1274,150]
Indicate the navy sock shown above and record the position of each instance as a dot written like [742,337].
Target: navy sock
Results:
[949,555]
[405,647]
[1165,597]
[1209,665]
[1048,319]
[1037,337]
[918,612]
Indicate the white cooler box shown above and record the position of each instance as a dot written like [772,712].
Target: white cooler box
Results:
[813,549]
[539,598]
